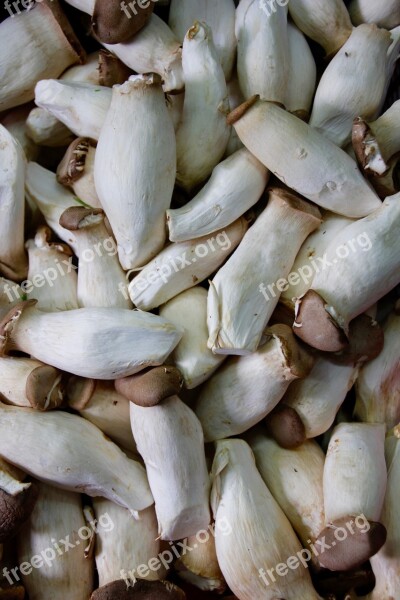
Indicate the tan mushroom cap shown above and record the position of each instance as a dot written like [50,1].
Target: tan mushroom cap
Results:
[72,166]
[141,590]
[366,340]
[152,386]
[285,426]
[112,25]
[15,510]
[44,388]
[315,326]
[79,217]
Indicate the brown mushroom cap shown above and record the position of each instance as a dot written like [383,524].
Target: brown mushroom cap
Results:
[315,326]
[112,25]
[141,590]
[112,71]
[65,27]
[79,217]
[44,388]
[355,549]
[80,391]
[72,166]
[152,386]
[285,426]
[15,510]
[366,340]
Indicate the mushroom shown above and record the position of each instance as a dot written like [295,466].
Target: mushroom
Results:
[17,500]
[143,590]
[302,75]
[236,184]
[125,182]
[150,387]
[171,429]
[97,253]
[15,122]
[263,50]
[76,170]
[81,457]
[385,13]
[246,388]
[239,304]
[114,25]
[203,133]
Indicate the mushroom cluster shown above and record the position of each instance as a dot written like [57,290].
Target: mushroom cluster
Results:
[200,300]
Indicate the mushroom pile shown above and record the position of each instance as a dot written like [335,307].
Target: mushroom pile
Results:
[200,300]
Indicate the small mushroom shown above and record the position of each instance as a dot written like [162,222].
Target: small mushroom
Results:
[142,590]
[151,387]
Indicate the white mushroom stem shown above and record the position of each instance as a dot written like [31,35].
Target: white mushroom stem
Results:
[317,168]
[310,257]
[170,440]
[129,547]
[99,403]
[182,265]
[260,535]
[15,122]
[97,253]
[377,142]
[12,479]
[355,472]
[51,280]
[386,563]
[236,184]
[82,107]
[361,60]
[294,478]
[318,397]
[13,261]
[154,49]
[99,343]
[385,13]
[10,295]
[28,39]
[220,16]
[135,177]
[191,356]
[203,133]
[57,515]
[377,386]
[86,6]
[46,130]
[246,290]
[30,383]
[235,98]
[246,388]
[51,198]
[350,285]
[81,457]
[263,50]
[325,21]
[302,74]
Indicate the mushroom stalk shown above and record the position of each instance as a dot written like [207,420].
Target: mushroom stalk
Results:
[66,573]
[385,564]
[327,22]
[51,280]
[294,478]
[99,403]
[239,303]
[82,107]
[13,262]
[10,295]
[349,286]
[200,567]
[46,130]
[220,16]
[235,185]
[261,536]
[318,169]
[182,265]
[28,382]
[135,185]
[263,50]
[302,75]
[318,397]
[28,39]
[154,49]
[129,546]
[99,343]
[81,457]
[385,13]
[362,60]
[375,143]
[97,253]
[15,122]
[171,429]
[246,388]
[203,133]
[377,386]
[191,356]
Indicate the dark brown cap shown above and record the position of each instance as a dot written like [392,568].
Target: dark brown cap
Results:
[141,590]
[114,25]
[366,340]
[15,510]
[112,71]
[152,386]
[72,166]
[285,426]
[44,388]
